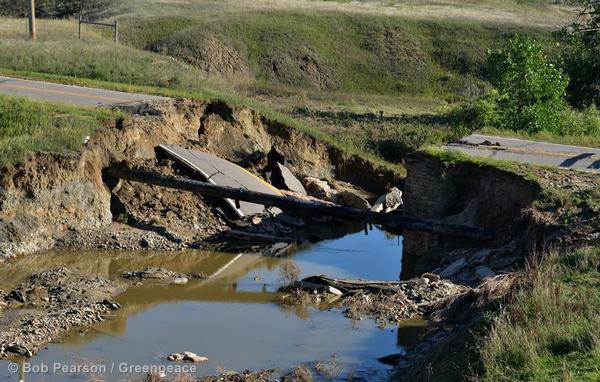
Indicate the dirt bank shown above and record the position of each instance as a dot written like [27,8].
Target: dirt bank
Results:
[526,207]
[55,196]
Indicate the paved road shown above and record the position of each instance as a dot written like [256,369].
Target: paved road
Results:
[525,151]
[223,173]
[70,94]
[549,154]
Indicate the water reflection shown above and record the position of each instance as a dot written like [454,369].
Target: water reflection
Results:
[232,318]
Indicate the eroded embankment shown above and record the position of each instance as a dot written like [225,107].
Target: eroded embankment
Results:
[469,194]
[527,209]
[55,196]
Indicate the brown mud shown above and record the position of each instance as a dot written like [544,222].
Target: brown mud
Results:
[48,305]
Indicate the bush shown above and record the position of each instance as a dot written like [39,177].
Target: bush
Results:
[530,90]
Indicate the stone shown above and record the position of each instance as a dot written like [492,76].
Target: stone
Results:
[433,278]
[179,280]
[454,268]
[484,272]
[388,202]
[480,256]
[319,188]
[352,200]
[393,199]
[111,305]
[379,204]
[37,294]
[193,357]
[288,179]
[175,357]
[16,295]
[333,291]
[3,305]
[19,350]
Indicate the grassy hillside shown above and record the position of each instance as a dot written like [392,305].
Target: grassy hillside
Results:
[328,51]
[378,77]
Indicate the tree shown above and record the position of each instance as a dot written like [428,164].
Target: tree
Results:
[530,89]
[54,8]
[581,56]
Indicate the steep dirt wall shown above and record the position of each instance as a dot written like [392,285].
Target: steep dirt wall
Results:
[52,194]
[464,193]
[234,133]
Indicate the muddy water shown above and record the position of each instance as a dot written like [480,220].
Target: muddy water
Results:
[233,318]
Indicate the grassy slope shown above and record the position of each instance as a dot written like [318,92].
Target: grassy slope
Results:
[552,330]
[27,126]
[374,61]
[401,58]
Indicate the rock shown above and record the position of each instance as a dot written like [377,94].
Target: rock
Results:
[334,291]
[179,280]
[193,357]
[480,256]
[18,350]
[433,278]
[393,199]
[379,204]
[287,179]
[111,305]
[388,202]
[353,200]
[37,294]
[16,295]
[157,274]
[484,272]
[175,357]
[3,305]
[319,188]
[454,268]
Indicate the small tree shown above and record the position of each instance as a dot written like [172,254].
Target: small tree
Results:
[530,89]
[581,56]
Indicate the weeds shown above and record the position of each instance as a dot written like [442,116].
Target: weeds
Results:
[289,273]
[552,328]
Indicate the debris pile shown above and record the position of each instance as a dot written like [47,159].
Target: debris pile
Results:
[160,275]
[48,305]
[388,302]
[186,356]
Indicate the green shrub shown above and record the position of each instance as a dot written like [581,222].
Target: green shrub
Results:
[530,89]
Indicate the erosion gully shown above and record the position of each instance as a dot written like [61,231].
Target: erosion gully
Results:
[233,318]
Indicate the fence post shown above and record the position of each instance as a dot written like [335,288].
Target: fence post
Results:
[80,26]
[32,29]
[116,32]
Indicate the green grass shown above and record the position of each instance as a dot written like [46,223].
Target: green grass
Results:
[363,59]
[27,126]
[354,53]
[580,128]
[551,332]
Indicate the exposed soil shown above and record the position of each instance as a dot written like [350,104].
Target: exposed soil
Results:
[50,304]
[63,199]
[300,67]
[205,52]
